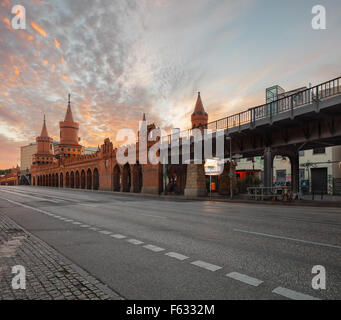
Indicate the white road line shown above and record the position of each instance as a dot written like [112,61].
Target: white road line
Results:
[176,256]
[105,232]
[85,226]
[135,241]
[94,229]
[32,197]
[244,278]
[25,206]
[153,248]
[294,295]
[69,220]
[290,239]
[118,236]
[205,265]
[47,195]
[77,223]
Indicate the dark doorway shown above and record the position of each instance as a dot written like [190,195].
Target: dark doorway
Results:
[319,180]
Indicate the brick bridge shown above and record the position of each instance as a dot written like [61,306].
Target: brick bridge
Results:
[307,119]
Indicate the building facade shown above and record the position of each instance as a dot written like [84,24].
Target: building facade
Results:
[26,155]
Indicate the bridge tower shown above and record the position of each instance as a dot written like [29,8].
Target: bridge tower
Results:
[44,153]
[195,178]
[69,141]
[199,117]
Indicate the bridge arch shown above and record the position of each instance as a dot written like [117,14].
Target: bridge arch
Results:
[83,180]
[77,180]
[126,178]
[117,178]
[95,179]
[89,179]
[176,182]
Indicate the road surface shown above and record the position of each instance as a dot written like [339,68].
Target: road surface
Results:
[154,248]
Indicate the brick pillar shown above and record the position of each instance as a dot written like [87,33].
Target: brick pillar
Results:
[195,181]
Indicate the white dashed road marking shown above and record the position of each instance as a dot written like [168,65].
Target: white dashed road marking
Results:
[294,295]
[118,236]
[206,265]
[153,248]
[176,256]
[244,278]
[76,223]
[134,241]
[105,232]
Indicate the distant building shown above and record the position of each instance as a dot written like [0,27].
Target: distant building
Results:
[26,155]
[11,178]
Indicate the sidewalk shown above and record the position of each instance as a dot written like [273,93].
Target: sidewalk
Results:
[49,275]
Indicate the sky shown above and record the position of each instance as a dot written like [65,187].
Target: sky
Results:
[121,58]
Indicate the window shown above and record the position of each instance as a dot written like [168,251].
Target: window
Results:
[281,176]
[301,153]
[319,151]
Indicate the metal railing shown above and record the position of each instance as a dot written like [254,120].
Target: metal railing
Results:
[269,110]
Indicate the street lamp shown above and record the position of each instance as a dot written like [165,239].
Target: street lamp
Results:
[231,174]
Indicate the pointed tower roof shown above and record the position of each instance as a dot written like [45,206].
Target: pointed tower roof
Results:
[199,108]
[68,116]
[44,132]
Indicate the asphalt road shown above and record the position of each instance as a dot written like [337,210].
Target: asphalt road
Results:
[151,248]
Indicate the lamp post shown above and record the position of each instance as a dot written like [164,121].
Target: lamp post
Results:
[231,174]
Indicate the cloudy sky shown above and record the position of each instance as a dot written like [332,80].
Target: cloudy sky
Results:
[120,58]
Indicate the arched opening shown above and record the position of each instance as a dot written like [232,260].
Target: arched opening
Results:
[34,181]
[72,180]
[77,182]
[126,178]
[96,179]
[137,178]
[61,181]
[83,179]
[43,181]
[176,182]
[117,178]
[89,179]
[52,180]
[56,175]
[38,181]
[67,180]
